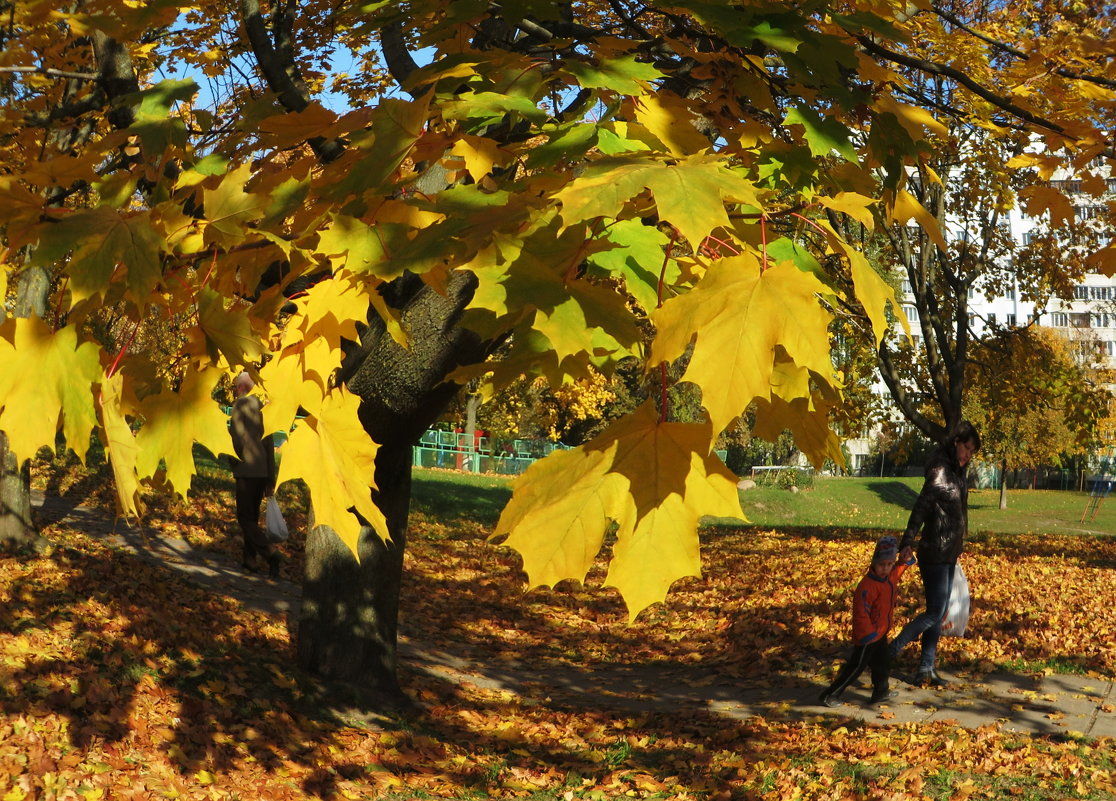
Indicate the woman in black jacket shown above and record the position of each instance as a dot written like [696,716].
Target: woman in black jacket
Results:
[942,514]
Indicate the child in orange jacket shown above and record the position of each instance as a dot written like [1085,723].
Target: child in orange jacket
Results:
[873,603]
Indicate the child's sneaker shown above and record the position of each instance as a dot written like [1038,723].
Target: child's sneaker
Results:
[879,698]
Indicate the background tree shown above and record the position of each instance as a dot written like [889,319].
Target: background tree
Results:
[947,236]
[559,182]
[1034,400]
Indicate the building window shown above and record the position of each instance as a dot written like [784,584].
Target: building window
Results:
[1011,321]
[992,319]
[1081,292]
[1059,319]
[912,314]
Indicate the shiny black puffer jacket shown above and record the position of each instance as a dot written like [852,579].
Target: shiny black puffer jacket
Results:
[941,512]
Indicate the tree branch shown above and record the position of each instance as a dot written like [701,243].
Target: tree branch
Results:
[53,73]
[933,68]
[282,74]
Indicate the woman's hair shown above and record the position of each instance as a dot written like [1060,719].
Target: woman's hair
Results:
[964,432]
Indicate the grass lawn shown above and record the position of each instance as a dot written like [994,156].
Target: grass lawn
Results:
[862,503]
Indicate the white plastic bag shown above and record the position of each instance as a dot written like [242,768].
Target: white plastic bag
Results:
[276,525]
[957,611]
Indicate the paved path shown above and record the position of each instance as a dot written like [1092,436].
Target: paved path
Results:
[1052,705]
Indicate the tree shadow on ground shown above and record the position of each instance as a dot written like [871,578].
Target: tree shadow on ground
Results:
[137,661]
[894,493]
[134,658]
[453,502]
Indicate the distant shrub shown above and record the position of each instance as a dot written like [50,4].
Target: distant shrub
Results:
[785,478]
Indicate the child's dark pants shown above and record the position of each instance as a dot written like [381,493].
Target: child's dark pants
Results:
[875,656]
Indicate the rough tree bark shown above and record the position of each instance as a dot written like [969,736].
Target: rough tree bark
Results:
[348,624]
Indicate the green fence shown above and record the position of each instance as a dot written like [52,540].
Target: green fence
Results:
[452,450]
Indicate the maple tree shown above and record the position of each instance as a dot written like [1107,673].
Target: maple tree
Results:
[560,179]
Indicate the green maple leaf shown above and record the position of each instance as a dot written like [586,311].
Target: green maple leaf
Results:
[332,453]
[691,194]
[744,27]
[46,380]
[395,126]
[226,332]
[490,107]
[106,238]
[155,125]
[174,421]
[229,209]
[624,75]
[567,142]
[824,135]
[537,275]
[735,316]
[784,249]
[638,257]
[654,480]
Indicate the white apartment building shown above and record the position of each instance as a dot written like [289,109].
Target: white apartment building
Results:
[1088,318]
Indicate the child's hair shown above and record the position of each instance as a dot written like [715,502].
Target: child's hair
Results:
[887,549]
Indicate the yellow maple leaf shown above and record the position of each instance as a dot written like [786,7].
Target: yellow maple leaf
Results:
[667,116]
[739,313]
[559,511]
[174,421]
[295,380]
[296,127]
[332,453]
[1103,260]
[654,480]
[852,204]
[912,118]
[44,376]
[905,207]
[874,293]
[1041,199]
[228,208]
[330,309]
[480,155]
[226,332]
[120,443]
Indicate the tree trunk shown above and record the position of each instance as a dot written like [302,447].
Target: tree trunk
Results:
[15,499]
[348,624]
[1003,485]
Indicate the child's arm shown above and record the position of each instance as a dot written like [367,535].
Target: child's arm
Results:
[906,559]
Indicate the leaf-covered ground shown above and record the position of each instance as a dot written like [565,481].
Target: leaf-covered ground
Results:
[119,681]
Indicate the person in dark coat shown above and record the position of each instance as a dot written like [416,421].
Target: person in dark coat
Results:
[941,513]
[254,471]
